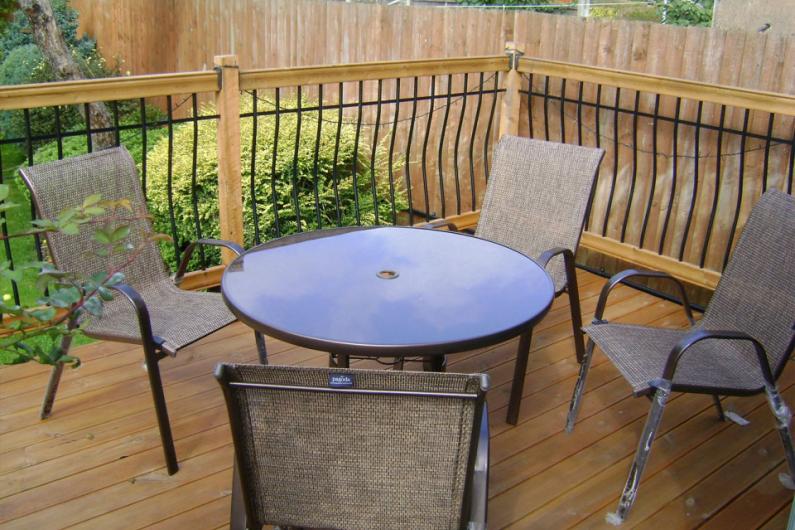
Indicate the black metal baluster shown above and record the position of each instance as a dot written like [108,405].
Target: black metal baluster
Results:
[294,178]
[29,146]
[276,123]
[89,141]
[194,195]
[472,144]
[252,179]
[530,105]
[791,160]
[489,126]
[634,177]
[58,132]
[142,111]
[615,161]
[653,185]
[355,167]
[674,168]
[716,194]
[408,151]
[562,110]
[170,178]
[7,242]
[694,193]
[334,171]
[597,134]
[116,130]
[395,120]
[546,108]
[315,162]
[766,163]
[374,149]
[431,104]
[440,155]
[579,113]
[458,143]
[740,178]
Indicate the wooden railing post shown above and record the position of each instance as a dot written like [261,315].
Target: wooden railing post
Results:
[509,112]
[230,190]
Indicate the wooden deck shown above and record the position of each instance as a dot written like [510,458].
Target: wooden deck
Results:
[97,462]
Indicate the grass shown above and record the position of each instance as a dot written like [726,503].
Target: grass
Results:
[23,248]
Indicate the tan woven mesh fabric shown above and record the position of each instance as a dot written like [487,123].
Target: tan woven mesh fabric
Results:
[355,462]
[178,317]
[537,197]
[756,295]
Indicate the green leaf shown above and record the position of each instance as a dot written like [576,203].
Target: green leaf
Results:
[5,190]
[43,315]
[65,297]
[94,211]
[91,200]
[116,279]
[102,236]
[120,233]
[94,306]
[70,229]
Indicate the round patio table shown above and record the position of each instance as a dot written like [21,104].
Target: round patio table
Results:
[388,291]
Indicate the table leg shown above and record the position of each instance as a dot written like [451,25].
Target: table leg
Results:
[517,388]
[339,360]
[435,363]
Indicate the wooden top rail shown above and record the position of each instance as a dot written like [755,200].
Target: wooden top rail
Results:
[107,89]
[286,77]
[669,86]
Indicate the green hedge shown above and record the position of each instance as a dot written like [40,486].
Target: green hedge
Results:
[207,170]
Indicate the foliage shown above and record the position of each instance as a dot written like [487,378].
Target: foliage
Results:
[333,180]
[685,13]
[132,138]
[23,62]
[70,299]
[554,7]
[632,12]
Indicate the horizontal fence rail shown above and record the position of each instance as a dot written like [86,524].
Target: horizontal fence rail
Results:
[252,155]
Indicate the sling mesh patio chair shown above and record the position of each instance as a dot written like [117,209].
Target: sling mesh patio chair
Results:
[536,202]
[357,449]
[739,348]
[152,310]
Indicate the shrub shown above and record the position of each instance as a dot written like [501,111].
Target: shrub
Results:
[207,169]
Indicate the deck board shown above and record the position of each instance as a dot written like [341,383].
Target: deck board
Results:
[97,462]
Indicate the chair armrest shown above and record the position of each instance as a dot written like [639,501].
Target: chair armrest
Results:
[622,276]
[480,479]
[141,312]
[547,255]
[697,335]
[439,223]
[186,255]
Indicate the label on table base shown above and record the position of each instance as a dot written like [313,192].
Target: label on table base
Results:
[341,380]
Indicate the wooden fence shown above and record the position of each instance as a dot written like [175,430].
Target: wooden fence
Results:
[652,207]
[286,33]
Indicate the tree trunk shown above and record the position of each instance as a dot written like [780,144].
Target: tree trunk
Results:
[50,41]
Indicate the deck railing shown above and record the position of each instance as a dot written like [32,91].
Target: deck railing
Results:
[685,160]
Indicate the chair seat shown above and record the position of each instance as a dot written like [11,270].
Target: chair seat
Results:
[640,354]
[178,317]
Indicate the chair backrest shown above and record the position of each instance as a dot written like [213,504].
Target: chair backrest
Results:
[537,197]
[353,449]
[63,184]
[756,293]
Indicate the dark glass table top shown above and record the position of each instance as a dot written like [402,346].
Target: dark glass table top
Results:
[387,291]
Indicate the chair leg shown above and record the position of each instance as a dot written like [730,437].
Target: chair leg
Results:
[237,517]
[642,454]
[517,387]
[579,387]
[262,351]
[783,419]
[435,363]
[480,480]
[339,360]
[574,305]
[719,407]
[159,398]
[55,380]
